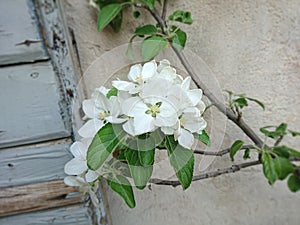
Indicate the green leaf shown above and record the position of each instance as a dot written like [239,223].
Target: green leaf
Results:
[122,186]
[294,183]
[179,39]
[146,149]
[292,152]
[146,30]
[281,151]
[240,102]
[112,92]
[235,147]
[257,101]
[203,137]
[103,144]
[277,133]
[140,174]
[181,16]
[246,154]
[151,46]
[294,133]
[182,160]
[149,3]
[269,167]
[107,14]
[283,167]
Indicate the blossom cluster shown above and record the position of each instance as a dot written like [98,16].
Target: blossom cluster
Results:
[154,97]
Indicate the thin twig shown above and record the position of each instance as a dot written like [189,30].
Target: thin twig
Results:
[278,140]
[218,172]
[222,108]
[164,10]
[221,152]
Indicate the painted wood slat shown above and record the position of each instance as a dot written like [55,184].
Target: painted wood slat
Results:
[30,105]
[18,25]
[35,163]
[33,197]
[73,215]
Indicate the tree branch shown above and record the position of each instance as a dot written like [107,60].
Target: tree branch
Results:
[219,153]
[164,10]
[218,172]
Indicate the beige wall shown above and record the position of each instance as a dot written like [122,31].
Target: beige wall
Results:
[251,47]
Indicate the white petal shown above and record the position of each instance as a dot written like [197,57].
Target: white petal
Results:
[102,102]
[162,64]
[195,96]
[186,83]
[75,167]
[115,120]
[79,150]
[89,108]
[168,73]
[201,106]
[101,89]
[168,130]
[123,85]
[186,139]
[90,128]
[135,72]
[134,106]
[143,124]
[74,181]
[129,127]
[91,176]
[149,69]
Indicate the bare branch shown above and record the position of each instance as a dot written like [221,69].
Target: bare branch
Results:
[218,172]
[164,11]
[221,152]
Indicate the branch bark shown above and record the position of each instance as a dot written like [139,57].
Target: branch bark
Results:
[219,153]
[218,172]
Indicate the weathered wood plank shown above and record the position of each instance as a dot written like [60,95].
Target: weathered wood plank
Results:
[20,40]
[34,163]
[73,215]
[33,197]
[31,105]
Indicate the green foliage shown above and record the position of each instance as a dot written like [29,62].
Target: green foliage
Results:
[103,144]
[283,167]
[269,167]
[146,30]
[182,160]
[246,154]
[294,183]
[203,137]
[279,131]
[239,101]
[107,14]
[179,39]
[235,147]
[181,16]
[140,174]
[123,187]
[146,149]
[151,46]
[149,3]
[136,14]
[112,92]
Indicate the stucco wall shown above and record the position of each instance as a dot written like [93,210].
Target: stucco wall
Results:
[251,47]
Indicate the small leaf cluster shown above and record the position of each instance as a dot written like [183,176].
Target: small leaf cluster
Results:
[156,37]
[276,160]
[237,102]
[133,157]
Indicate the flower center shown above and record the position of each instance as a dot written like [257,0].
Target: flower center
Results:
[139,79]
[153,109]
[182,122]
[102,115]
